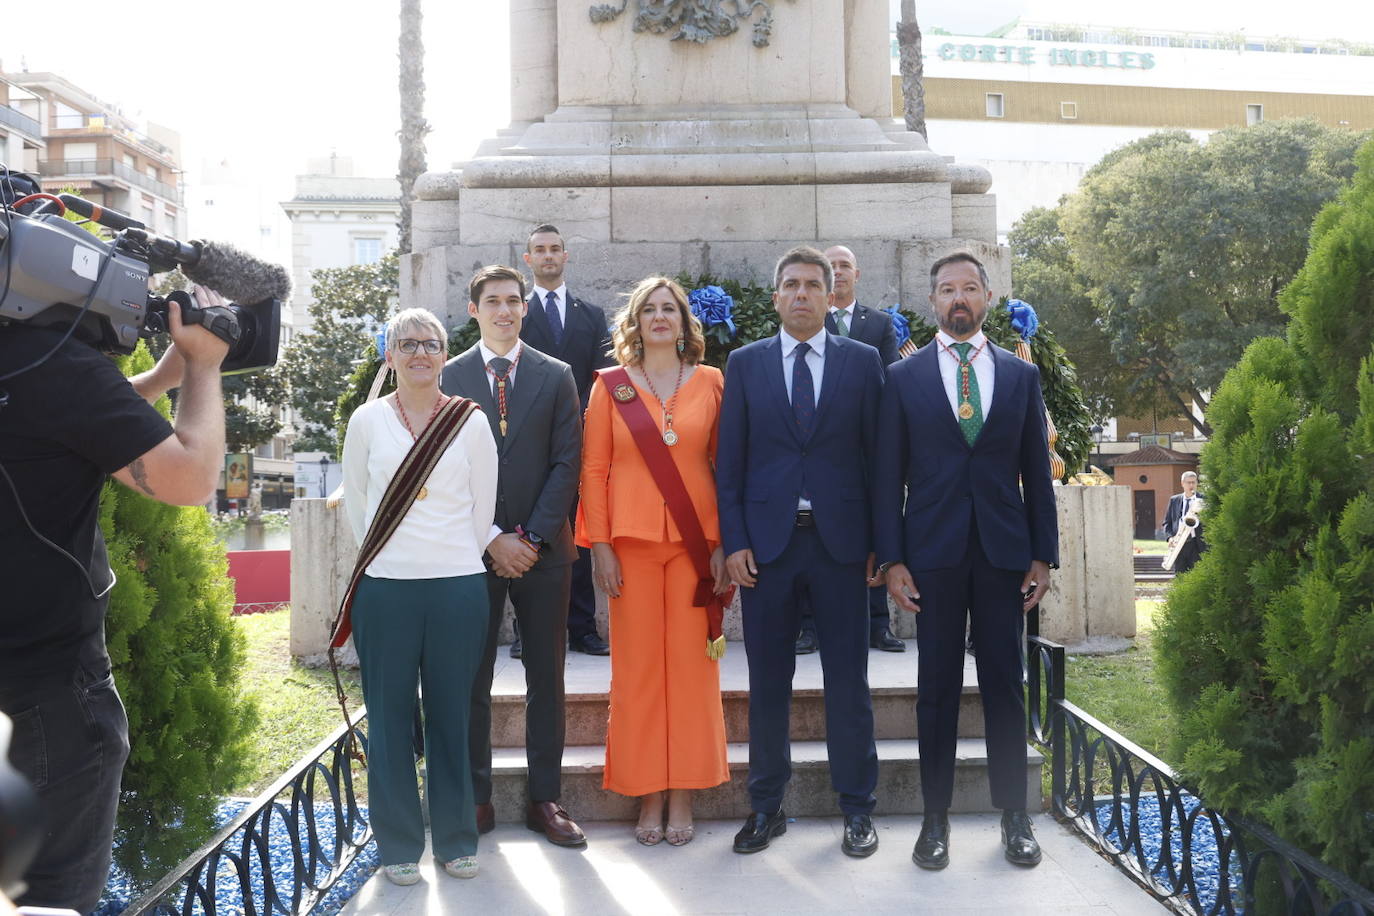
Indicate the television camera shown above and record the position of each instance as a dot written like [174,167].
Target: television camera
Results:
[55,273]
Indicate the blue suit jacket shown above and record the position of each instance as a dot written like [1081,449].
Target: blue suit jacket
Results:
[762,459]
[923,455]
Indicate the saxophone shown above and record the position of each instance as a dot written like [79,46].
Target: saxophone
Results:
[1186,529]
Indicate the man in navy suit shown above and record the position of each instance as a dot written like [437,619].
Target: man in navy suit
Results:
[574,331]
[874,327]
[962,423]
[798,414]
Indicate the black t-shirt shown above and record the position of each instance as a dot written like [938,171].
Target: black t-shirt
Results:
[68,424]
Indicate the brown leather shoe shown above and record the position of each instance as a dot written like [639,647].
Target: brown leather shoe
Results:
[486,818]
[551,820]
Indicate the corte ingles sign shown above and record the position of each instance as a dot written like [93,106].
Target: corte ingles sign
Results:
[1058,57]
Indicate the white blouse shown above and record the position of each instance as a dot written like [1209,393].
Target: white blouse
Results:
[444,534]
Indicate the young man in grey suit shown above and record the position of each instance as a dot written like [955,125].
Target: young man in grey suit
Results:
[531,402]
[848,318]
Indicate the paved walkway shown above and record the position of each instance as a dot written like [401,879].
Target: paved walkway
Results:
[802,873]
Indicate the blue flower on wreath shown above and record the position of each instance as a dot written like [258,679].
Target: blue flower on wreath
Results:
[899,324]
[1024,321]
[713,306]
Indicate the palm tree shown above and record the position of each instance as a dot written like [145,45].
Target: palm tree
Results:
[413,124]
[913,71]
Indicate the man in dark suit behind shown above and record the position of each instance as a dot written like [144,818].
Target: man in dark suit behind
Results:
[531,402]
[962,424]
[574,331]
[798,422]
[874,327]
[1180,505]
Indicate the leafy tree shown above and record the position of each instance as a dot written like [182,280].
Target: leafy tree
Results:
[1184,248]
[176,657]
[1267,645]
[350,304]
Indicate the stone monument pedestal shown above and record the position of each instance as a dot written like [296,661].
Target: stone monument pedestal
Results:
[654,155]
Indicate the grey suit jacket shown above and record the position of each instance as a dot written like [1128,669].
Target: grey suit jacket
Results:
[541,453]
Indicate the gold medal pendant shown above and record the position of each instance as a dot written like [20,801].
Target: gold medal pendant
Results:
[503,426]
[670,437]
[966,411]
[424,491]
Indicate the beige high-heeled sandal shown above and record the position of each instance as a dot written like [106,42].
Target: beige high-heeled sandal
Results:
[680,836]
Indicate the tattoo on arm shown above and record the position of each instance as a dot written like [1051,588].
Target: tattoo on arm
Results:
[140,476]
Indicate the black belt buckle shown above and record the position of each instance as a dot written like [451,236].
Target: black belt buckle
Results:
[805,519]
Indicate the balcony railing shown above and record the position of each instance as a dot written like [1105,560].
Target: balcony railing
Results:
[21,122]
[64,168]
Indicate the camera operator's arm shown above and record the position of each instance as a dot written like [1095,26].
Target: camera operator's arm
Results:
[184,468]
[162,378]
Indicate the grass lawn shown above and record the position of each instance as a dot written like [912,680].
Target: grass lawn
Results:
[1122,689]
[1151,546]
[297,704]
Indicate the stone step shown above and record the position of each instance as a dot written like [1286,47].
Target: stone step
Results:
[808,794]
[891,678]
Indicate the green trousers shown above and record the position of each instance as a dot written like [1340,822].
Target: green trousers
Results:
[430,632]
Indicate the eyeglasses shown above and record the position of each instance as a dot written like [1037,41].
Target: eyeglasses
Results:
[409,345]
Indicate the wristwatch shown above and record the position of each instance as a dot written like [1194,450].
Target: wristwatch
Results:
[534,540]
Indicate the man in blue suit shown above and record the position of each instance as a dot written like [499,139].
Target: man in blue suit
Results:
[798,410]
[962,423]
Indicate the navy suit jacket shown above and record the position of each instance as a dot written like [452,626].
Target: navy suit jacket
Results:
[762,459]
[873,327]
[924,457]
[585,340]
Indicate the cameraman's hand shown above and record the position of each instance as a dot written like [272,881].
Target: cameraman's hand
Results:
[200,348]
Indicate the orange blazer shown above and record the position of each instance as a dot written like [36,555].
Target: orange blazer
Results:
[619,497]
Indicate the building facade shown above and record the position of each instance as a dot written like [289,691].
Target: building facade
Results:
[337,220]
[21,128]
[1039,104]
[111,160]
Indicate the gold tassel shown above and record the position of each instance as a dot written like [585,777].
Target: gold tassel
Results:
[715,648]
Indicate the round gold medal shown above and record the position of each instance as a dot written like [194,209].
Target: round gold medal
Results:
[424,491]
[624,393]
[670,438]
[966,411]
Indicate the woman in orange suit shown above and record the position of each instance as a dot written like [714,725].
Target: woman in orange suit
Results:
[667,732]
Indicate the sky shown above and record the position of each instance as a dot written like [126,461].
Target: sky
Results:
[263,86]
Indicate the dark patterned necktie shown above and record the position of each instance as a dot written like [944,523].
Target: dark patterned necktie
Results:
[803,390]
[970,402]
[555,322]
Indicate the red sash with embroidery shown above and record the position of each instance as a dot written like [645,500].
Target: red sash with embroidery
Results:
[669,480]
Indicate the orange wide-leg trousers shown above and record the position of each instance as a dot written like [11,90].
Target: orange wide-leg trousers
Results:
[667,728]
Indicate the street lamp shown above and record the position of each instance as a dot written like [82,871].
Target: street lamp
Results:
[324,475]
[1096,431]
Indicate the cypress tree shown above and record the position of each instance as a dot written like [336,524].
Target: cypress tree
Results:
[1267,645]
[177,657]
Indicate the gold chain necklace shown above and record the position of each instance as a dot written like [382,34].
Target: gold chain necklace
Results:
[670,436]
[440,402]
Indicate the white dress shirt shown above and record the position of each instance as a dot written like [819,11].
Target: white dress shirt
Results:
[442,535]
[815,361]
[562,299]
[489,354]
[983,369]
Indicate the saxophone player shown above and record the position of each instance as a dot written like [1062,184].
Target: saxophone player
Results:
[1183,510]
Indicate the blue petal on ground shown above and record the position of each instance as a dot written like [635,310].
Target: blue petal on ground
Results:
[119,892]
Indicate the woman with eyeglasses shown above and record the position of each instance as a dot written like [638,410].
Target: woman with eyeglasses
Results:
[420,612]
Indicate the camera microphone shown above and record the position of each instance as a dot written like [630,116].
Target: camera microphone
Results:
[236,274]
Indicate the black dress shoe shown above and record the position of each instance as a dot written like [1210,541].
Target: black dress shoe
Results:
[1018,839]
[758,830]
[591,644]
[932,847]
[515,648]
[883,639]
[806,642]
[860,839]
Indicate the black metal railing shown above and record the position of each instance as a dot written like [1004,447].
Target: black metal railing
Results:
[1133,808]
[91,168]
[242,851]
